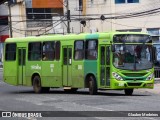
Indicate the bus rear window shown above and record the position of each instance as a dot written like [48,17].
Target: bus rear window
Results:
[10,52]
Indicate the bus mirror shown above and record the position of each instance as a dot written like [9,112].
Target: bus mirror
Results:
[113,48]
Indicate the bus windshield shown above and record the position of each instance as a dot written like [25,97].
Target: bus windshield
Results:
[132,57]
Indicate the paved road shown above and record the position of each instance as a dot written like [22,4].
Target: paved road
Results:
[17,98]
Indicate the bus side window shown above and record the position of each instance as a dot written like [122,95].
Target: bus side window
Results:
[79,50]
[10,50]
[48,50]
[34,51]
[58,48]
[91,49]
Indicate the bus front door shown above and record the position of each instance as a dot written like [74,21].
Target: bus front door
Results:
[105,66]
[67,66]
[21,66]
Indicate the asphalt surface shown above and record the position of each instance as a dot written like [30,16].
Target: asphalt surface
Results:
[20,98]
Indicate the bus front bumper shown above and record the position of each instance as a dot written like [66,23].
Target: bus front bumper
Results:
[132,84]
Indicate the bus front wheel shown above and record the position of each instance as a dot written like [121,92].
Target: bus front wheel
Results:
[128,91]
[37,84]
[92,86]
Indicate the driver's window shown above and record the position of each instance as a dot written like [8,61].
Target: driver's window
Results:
[119,55]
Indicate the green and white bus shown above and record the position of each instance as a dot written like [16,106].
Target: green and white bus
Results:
[98,61]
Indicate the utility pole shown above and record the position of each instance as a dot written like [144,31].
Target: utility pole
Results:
[68,17]
[10,19]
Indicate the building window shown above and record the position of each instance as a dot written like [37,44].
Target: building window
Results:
[34,51]
[91,49]
[155,33]
[126,1]
[79,50]
[130,30]
[48,51]
[38,13]
[132,1]
[10,52]
[119,1]
[81,5]
[3,20]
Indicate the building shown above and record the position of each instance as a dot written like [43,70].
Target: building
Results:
[4,33]
[36,17]
[122,15]
[43,17]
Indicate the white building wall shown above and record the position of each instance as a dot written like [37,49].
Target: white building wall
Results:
[109,9]
[75,26]
[99,7]
[149,21]
[18,20]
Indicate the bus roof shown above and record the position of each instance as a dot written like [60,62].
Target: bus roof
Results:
[80,36]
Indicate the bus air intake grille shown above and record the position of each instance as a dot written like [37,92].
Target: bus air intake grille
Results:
[134,84]
[134,79]
[134,74]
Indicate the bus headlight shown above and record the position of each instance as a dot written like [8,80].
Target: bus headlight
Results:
[150,77]
[118,77]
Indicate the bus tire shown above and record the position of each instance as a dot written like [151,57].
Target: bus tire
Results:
[37,84]
[92,86]
[128,91]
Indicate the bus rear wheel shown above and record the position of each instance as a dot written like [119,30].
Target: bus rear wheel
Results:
[128,91]
[92,86]
[37,86]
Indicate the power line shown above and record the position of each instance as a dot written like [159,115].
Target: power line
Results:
[152,11]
